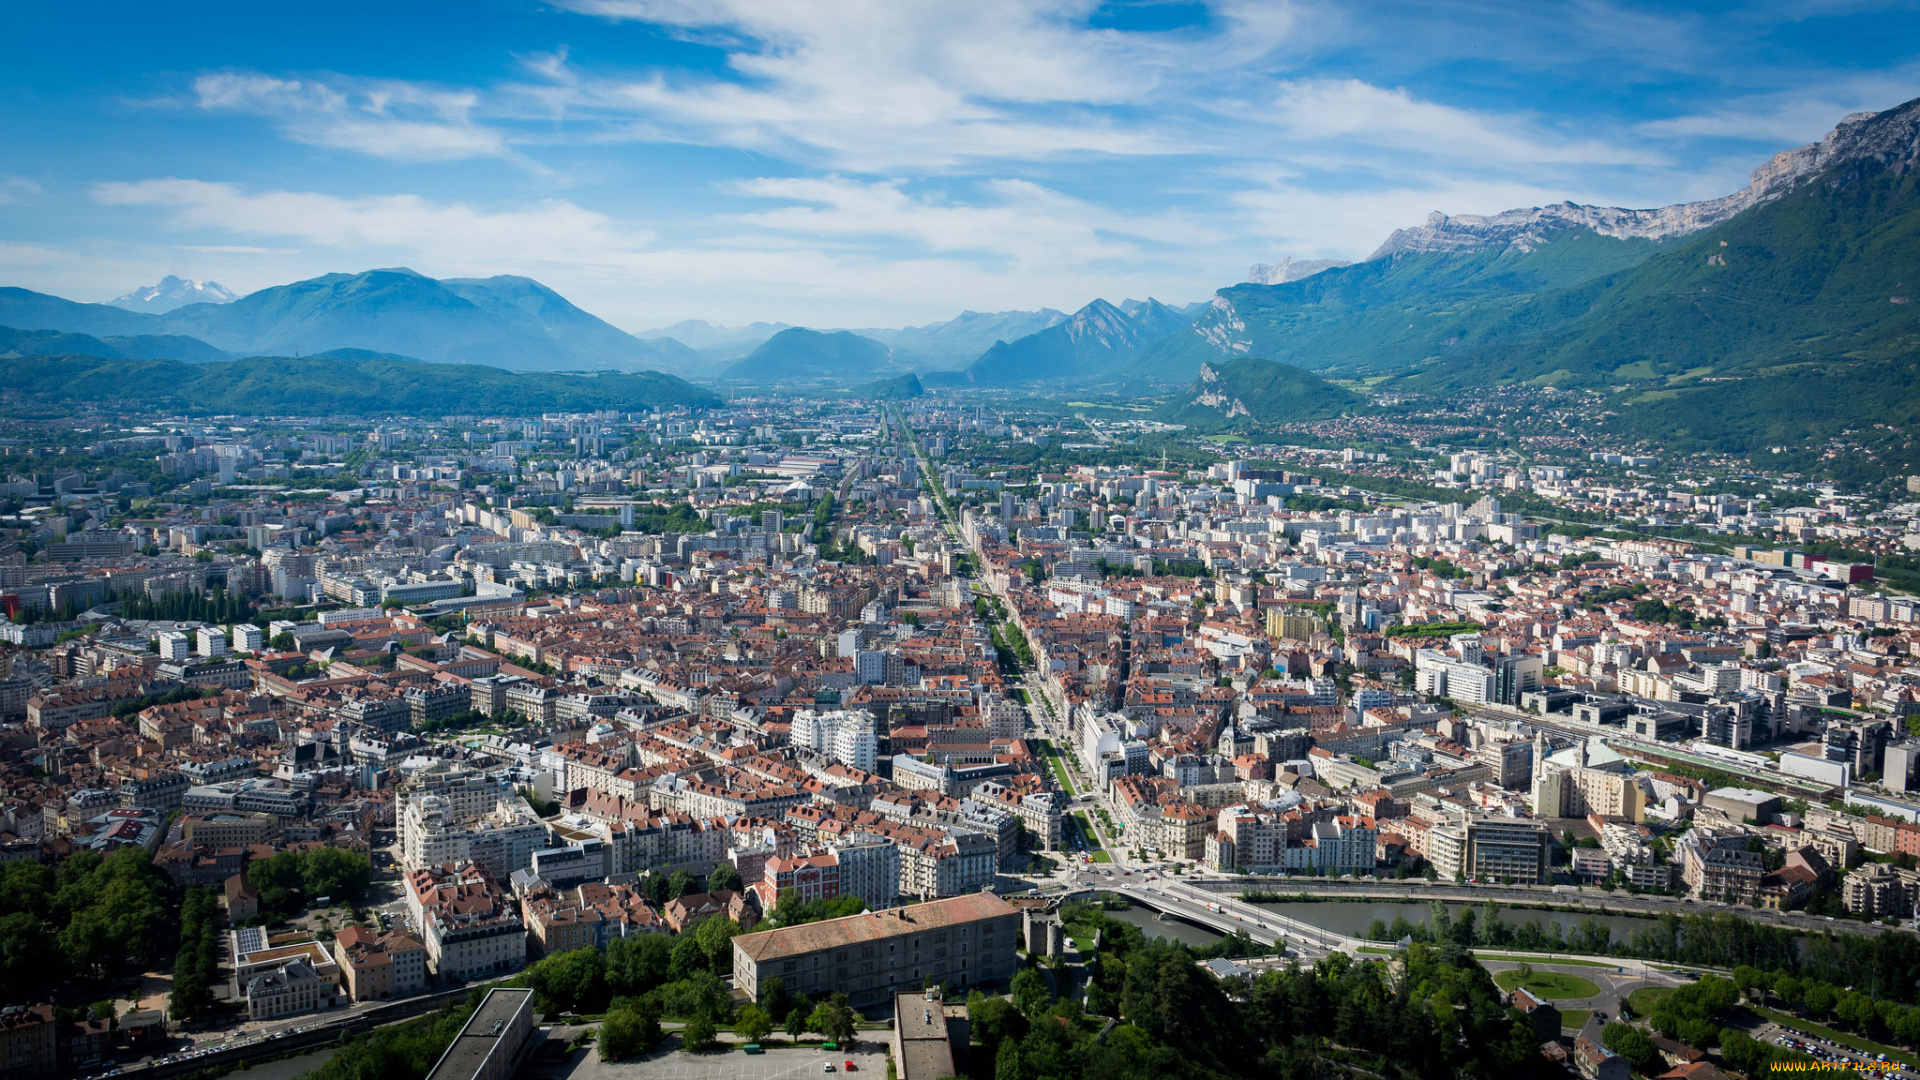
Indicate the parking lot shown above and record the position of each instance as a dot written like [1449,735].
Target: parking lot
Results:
[670,1064]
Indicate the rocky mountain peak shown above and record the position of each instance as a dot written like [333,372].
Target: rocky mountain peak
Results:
[1888,139]
[1290,269]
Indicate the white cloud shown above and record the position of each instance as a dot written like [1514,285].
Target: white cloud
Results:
[876,85]
[1028,224]
[1800,115]
[550,231]
[14,188]
[1360,114]
[839,252]
[384,118]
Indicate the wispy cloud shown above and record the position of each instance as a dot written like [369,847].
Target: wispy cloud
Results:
[14,188]
[1367,117]
[386,118]
[549,231]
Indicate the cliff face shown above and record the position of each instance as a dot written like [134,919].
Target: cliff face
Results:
[1890,139]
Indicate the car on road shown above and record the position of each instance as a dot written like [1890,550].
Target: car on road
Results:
[826,1066]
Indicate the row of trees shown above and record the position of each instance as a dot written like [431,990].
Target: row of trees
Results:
[1879,965]
[1875,1017]
[197,963]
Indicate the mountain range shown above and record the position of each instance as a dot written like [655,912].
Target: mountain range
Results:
[350,382]
[1811,262]
[1779,315]
[1093,342]
[507,322]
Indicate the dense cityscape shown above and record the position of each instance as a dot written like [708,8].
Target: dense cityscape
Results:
[410,707]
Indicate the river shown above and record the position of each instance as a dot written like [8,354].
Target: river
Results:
[1173,929]
[1353,917]
[286,1068]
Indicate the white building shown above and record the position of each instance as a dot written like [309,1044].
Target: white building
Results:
[175,646]
[212,642]
[502,839]
[847,736]
[869,869]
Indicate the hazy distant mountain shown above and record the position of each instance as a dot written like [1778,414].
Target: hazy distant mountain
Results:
[798,354]
[29,310]
[173,292]
[960,340]
[333,384]
[700,334]
[1094,341]
[598,343]
[507,322]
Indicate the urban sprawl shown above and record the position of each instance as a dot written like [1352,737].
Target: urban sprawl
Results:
[375,713]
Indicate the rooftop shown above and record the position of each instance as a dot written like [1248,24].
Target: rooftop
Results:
[481,1033]
[872,926]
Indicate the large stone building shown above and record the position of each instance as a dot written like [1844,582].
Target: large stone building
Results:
[961,942]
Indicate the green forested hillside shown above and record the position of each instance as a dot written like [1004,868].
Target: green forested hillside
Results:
[1827,273]
[1251,393]
[316,386]
[1387,315]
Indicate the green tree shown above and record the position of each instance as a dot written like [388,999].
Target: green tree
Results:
[834,1019]
[798,1016]
[1030,994]
[773,997]
[573,981]
[715,936]
[724,877]
[753,1023]
[638,964]
[1631,1043]
[699,1033]
[632,1027]
[679,884]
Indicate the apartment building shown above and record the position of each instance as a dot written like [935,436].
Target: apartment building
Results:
[467,921]
[434,831]
[379,967]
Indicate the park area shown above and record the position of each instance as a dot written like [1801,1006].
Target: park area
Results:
[1546,985]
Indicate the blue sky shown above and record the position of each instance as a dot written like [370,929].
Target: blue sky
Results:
[872,162]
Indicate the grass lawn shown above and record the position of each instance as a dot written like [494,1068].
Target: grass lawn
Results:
[1056,759]
[1086,828]
[1573,1019]
[1548,985]
[1535,958]
[1788,1020]
[1100,856]
[1643,1000]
